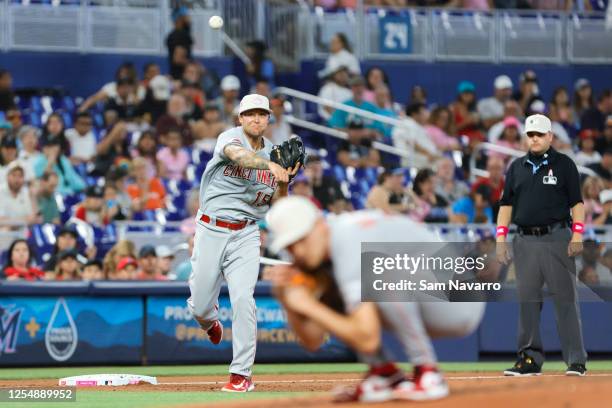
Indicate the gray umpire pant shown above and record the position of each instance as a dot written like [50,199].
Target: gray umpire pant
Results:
[539,260]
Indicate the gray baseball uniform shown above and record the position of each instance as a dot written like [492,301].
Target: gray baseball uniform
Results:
[411,322]
[230,193]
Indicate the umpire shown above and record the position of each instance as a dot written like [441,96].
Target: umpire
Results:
[542,197]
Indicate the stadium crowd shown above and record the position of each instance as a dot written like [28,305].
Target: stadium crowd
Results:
[137,148]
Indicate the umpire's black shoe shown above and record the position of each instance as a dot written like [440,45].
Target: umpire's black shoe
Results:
[525,366]
[576,370]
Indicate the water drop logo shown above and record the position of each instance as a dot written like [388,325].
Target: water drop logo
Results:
[61,337]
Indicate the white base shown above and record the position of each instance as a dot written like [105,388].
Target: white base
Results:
[102,380]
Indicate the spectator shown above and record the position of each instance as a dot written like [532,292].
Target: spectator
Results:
[13,116]
[81,139]
[383,103]
[194,100]
[278,130]
[122,249]
[586,144]
[124,104]
[418,94]
[146,148]
[604,168]
[54,129]
[528,90]
[595,117]
[301,187]
[428,206]
[112,149]
[335,89]
[495,181]
[511,109]
[68,267]
[412,136]
[179,42]
[481,5]
[7,98]
[175,118]
[388,195]
[198,74]
[66,239]
[491,109]
[91,210]
[593,209]
[127,269]
[262,87]
[228,101]
[116,206]
[473,209]
[173,159]
[510,137]
[605,198]
[17,203]
[446,186]
[52,159]
[92,271]
[183,270]
[19,263]
[146,193]
[8,156]
[591,262]
[154,104]
[29,153]
[325,189]
[583,99]
[260,67]
[209,128]
[125,72]
[47,204]
[149,71]
[149,264]
[188,225]
[440,129]
[340,55]
[560,110]
[165,257]
[466,119]
[375,77]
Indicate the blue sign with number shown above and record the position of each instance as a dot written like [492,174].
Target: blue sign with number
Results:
[395,35]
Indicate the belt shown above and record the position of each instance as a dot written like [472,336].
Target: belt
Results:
[234,226]
[543,229]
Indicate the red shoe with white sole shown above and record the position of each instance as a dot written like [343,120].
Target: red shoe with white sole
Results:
[428,384]
[215,333]
[377,386]
[239,383]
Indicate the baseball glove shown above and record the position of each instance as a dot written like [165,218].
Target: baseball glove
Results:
[289,153]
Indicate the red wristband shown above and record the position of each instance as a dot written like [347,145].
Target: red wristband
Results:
[502,231]
[578,228]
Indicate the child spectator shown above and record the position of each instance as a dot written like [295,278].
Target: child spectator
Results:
[47,204]
[587,153]
[54,130]
[19,263]
[91,209]
[440,129]
[68,267]
[146,147]
[115,206]
[127,269]
[92,270]
[81,139]
[66,239]
[69,182]
[173,159]
[146,193]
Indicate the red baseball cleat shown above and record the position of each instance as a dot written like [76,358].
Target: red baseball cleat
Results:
[215,333]
[428,384]
[377,386]
[238,383]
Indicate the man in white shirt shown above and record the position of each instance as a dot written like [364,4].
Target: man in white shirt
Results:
[491,109]
[82,140]
[412,137]
[335,89]
[17,204]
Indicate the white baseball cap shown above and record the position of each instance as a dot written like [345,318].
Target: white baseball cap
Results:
[230,83]
[163,251]
[160,85]
[538,123]
[254,101]
[503,82]
[605,196]
[289,220]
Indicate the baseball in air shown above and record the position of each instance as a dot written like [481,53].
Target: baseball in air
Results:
[215,22]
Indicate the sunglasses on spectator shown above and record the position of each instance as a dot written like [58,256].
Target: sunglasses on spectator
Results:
[532,134]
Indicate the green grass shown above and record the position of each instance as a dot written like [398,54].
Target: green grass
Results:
[116,399]
[189,370]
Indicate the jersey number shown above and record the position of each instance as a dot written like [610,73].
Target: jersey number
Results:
[262,199]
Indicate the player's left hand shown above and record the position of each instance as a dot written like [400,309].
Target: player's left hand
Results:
[575,246]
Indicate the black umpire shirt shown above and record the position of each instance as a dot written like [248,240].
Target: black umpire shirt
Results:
[541,189]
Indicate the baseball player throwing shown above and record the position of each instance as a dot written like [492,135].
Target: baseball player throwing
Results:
[237,187]
[316,244]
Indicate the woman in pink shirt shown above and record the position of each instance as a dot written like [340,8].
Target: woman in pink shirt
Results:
[173,159]
[440,130]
